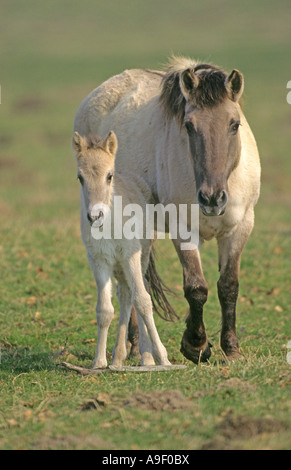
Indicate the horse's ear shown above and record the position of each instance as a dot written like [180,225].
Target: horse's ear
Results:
[111,143]
[234,85]
[79,143]
[188,83]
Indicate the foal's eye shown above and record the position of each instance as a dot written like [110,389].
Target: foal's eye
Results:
[80,178]
[234,125]
[109,177]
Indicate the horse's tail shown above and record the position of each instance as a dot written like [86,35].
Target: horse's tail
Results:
[158,289]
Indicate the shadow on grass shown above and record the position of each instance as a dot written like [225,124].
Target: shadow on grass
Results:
[24,360]
[20,360]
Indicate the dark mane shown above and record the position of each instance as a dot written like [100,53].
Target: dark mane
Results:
[210,91]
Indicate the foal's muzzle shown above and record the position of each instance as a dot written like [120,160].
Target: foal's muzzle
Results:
[212,203]
[96,218]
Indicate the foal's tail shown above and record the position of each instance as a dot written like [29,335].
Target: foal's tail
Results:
[157,290]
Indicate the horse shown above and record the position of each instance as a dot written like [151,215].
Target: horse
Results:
[184,131]
[125,259]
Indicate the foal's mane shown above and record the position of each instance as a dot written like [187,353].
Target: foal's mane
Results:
[210,91]
[94,142]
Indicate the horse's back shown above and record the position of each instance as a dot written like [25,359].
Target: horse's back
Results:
[133,189]
[119,95]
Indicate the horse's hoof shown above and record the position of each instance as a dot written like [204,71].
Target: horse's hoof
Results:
[230,347]
[237,356]
[233,356]
[194,353]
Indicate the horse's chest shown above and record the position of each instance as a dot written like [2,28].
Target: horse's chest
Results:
[222,226]
[210,228]
[214,227]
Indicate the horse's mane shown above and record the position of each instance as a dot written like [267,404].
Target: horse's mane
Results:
[210,91]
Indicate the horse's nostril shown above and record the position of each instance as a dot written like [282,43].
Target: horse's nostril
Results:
[222,198]
[203,198]
[89,218]
[101,214]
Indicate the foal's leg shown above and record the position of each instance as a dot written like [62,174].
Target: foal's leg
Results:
[144,342]
[145,345]
[143,304]
[230,250]
[125,302]
[104,312]
[194,344]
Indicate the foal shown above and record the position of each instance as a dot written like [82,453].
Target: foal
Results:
[126,260]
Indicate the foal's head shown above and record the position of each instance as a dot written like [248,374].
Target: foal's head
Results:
[95,160]
[205,100]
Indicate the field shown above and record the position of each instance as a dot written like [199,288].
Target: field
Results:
[52,55]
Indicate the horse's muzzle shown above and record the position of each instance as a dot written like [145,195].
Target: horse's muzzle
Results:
[212,203]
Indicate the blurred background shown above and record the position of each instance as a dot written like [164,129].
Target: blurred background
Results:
[53,53]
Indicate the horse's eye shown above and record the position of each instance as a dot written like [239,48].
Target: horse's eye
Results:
[189,127]
[234,126]
[109,177]
[80,178]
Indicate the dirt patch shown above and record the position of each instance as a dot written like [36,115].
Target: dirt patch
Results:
[71,442]
[235,383]
[30,103]
[236,428]
[170,400]
[96,403]
[9,163]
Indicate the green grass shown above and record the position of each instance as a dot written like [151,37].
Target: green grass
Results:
[53,54]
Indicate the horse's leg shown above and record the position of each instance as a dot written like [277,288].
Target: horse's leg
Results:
[230,250]
[104,312]
[143,304]
[125,302]
[133,349]
[194,344]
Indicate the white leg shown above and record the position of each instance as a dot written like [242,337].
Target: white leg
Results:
[143,304]
[104,312]
[145,345]
[125,303]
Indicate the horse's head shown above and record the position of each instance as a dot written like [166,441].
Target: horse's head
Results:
[205,99]
[95,160]
[212,120]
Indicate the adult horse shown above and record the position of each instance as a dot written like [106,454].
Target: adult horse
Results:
[184,132]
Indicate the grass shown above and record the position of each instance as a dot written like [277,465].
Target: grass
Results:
[52,56]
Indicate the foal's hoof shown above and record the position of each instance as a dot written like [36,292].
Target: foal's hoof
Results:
[194,353]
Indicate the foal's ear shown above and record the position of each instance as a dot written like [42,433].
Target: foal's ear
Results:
[111,143]
[188,83]
[234,85]
[79,143]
